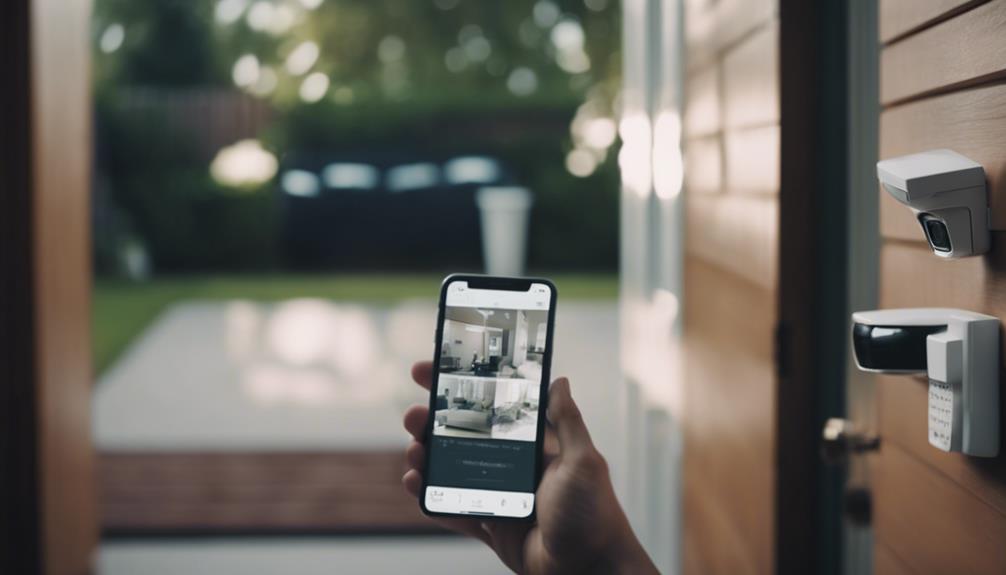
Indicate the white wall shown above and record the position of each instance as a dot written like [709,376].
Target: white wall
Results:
[520,340]
[471,342]
[534,324]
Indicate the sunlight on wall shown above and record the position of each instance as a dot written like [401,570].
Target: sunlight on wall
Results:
[752,159]
[668,166]
[703,112]
[634,158]
[704,166]
[650,349]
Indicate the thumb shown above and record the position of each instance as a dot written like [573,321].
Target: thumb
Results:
[566,419]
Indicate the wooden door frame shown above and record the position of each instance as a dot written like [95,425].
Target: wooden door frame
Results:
[811,334]
[48,513]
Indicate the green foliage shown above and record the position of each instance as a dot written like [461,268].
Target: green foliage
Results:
[168,200]
[167,43]
[574,223]
[160,191]
[177,42]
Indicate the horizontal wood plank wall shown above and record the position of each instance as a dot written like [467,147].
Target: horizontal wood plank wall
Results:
[939,528]
[942,88]
[704,165]
[971,122]
[731,126]
[714,26]
[752,160]
[902,17]
[886,561]
[966,48]
[729,440]
[750,74]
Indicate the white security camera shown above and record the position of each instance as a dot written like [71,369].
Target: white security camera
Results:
[958,350]
[946,192]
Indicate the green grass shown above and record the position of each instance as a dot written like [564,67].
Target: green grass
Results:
[122,309]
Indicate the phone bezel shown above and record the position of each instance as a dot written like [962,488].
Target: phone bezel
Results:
[504,284]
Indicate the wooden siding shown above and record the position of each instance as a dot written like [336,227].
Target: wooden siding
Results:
[941,82]
[731,125]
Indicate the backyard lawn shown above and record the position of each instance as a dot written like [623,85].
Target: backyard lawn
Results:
[122,309]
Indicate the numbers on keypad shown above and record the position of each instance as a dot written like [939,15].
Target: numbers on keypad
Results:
[941,414]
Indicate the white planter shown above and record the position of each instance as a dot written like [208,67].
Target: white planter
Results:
[504,213]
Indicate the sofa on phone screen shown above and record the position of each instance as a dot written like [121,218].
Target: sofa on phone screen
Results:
[465,419]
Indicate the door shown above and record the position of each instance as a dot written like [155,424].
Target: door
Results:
[941,70]
[731,286]
[48,513]
[764,282]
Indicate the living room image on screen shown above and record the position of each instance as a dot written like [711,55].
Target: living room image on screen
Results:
[490,373]
[515,411]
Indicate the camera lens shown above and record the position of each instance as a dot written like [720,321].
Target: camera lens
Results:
[936,232]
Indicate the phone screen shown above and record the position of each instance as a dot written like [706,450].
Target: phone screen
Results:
[488,397]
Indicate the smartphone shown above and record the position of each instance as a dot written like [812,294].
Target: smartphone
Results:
[488,396]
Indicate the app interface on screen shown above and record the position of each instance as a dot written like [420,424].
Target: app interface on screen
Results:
[482,452]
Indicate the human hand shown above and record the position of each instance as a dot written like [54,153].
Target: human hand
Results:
[580,526]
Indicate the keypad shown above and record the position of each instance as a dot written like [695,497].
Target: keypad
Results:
[941,414]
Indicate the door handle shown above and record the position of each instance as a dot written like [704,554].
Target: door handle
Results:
[840,439]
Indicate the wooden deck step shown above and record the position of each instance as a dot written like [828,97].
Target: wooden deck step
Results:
[171,493]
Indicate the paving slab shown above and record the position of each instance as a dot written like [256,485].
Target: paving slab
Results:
[310,374]
[444,555]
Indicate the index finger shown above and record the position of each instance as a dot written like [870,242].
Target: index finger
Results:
[422,373]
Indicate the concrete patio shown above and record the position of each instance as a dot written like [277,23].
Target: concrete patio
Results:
[308,375]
